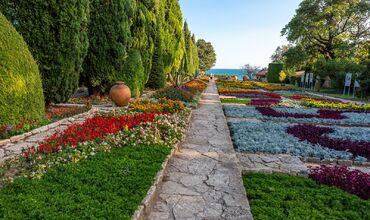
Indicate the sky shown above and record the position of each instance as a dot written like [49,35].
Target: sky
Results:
[241,31]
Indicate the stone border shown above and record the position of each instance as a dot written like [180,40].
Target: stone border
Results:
[149,200]
[21,137]
[330,161]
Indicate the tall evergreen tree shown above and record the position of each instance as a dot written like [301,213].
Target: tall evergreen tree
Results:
[195,54]
[134,72]
[109,32]
[157,77]
[56,33]
[207,55]
[171,21]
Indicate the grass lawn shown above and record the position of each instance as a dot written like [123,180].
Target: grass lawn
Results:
[274,196]
[107,186]
[236,101]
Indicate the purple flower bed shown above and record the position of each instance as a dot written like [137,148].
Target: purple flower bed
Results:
[252,94]
[322,113]
[352,181]
[316,135]
[264,102]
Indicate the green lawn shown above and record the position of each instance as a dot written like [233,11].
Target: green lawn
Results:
[270,195]
[236,101]
[108,186]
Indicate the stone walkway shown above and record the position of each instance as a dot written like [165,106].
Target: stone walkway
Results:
[203,180]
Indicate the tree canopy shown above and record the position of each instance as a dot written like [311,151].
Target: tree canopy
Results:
[206,54]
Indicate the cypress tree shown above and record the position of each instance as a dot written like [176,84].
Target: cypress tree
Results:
[195,54]
[134,73]
[109,33]
[171,21]
[56,33]
[157,77]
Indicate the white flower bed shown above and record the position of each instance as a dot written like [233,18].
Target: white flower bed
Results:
[251,112]
[269,137]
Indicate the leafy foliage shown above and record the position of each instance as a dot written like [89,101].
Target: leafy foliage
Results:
[109,185]
[109,35]
[207,55]
[352,181]
[56,33]
[21,96]
[134,73]
[280,196]
[273,72]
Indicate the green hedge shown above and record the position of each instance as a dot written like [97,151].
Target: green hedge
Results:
[21,94]
[273,72]
[133,73]
[56,33]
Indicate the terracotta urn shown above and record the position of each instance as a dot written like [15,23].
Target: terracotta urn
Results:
[120,94]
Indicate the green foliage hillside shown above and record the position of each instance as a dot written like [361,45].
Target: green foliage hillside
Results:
[21,96]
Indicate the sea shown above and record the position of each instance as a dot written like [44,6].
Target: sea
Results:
[227,72]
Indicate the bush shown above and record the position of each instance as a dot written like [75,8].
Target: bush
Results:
[174,93]
[109,35]
[273,72]
[134,75]
[21,96]
[56,32]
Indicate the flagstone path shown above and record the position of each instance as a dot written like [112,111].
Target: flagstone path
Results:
[203,180]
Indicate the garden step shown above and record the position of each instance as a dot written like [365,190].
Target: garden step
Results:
[203,180]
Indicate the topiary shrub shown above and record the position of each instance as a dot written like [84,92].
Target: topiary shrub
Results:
[273,72]
[21,96]
[56,33]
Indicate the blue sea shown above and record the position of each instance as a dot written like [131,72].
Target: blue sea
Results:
[227,72]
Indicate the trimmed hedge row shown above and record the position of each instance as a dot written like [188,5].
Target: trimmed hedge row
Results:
[273,72]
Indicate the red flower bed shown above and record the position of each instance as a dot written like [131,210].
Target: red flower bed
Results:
[93,128]
[249,94]
[323,113]
[300,97]
[352,181]
[264,102]
[316,135]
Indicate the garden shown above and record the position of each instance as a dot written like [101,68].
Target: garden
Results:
[331,138]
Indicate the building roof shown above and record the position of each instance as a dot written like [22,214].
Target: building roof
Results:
[262,73]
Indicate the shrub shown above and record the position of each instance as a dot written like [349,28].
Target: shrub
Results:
[273,72]
[175,93]
[56,33]
[21,96]
[133,73]
[109,35]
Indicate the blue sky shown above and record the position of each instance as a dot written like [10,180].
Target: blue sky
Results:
[242,31]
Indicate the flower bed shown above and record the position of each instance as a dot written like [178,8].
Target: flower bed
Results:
[281,196]
[351,118]
[196,84]
[236,101]
[264,102]
[53,114]
[336,105]
[251,94]
[303,98]
[352,181]
[324,114]
[163,105]
[108,185]
[97,127]
[317,135]
[268,137]
[254,85]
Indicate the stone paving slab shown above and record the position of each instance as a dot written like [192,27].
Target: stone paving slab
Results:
[282,163]
[203,180]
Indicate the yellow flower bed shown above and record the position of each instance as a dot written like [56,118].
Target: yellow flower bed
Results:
[331,105]
[253,85]
[163,105]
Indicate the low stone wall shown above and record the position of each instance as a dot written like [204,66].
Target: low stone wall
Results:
[13,146]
